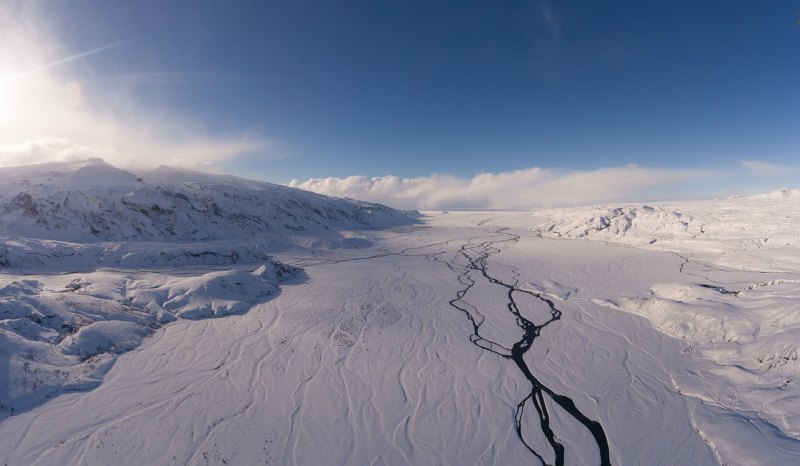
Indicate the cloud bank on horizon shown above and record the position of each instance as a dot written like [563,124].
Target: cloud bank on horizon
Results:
[520,189]
[767,169]
[48,114]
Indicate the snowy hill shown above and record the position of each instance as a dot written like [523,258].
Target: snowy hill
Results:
[753,227]
[611,222]
[778,194]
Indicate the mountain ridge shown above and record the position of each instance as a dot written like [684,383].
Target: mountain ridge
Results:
[92,201]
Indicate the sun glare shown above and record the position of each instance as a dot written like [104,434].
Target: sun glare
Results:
[45,98]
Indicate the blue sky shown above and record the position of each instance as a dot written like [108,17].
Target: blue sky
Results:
[301,89]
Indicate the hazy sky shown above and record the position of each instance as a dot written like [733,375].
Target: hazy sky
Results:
[681,98]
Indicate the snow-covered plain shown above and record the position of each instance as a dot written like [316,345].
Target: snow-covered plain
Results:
[469,338]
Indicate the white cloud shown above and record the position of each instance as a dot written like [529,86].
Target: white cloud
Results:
[529,188]
[47,114]
[766,169]
[550,19]
[47,150]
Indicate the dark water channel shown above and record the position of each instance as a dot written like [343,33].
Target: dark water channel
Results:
[540,396]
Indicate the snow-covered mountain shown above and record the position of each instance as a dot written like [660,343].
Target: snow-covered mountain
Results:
[91,201]
[77,215]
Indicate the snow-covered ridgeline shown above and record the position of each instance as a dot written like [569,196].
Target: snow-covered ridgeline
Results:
[91,201]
